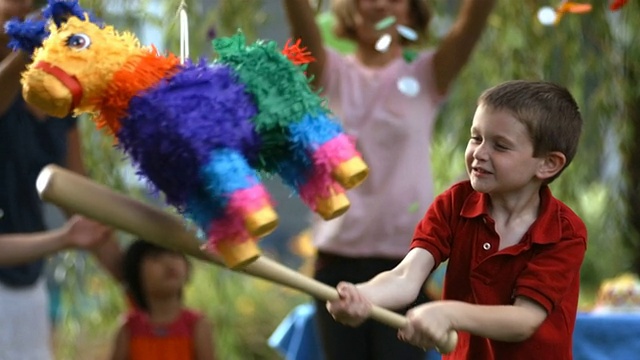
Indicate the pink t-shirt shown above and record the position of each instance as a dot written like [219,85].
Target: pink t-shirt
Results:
[393,133]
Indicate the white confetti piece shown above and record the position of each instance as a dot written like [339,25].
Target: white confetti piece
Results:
[409,86]
[407,32]
[382,45]
[547,15]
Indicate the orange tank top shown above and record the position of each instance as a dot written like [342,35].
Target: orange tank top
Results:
[161,342]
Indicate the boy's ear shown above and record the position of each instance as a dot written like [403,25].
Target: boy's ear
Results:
[552,163]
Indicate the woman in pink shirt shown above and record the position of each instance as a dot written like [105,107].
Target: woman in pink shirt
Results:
[389,104]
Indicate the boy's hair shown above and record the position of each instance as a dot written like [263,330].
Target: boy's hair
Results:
[133,257]
[345,12]
[548,110]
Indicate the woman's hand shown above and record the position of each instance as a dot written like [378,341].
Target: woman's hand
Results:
[86,234]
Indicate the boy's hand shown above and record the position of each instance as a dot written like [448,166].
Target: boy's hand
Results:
[352,308]
[427,325]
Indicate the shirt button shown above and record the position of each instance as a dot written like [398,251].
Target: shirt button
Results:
[1,213]
[486,246]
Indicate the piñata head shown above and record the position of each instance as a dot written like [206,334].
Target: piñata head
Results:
[202,133]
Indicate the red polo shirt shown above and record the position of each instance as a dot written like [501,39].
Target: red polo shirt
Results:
[544,267]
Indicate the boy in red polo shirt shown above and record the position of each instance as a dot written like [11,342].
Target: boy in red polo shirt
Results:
[514,251]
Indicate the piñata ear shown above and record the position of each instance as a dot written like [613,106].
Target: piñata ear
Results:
[26,35]
[60,10]
[29,34]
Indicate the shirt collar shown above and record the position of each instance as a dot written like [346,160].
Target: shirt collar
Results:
[545,230]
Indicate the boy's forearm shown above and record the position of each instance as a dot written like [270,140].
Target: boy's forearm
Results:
[389,290]
[398,287]
[508,323]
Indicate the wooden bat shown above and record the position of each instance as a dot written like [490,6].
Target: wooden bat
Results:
[86,197]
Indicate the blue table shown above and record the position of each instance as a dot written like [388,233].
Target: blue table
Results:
[607,336]
[614,336]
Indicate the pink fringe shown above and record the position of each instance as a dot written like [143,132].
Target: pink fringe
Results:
[319,185]
[232,227]
[248,200]
[229,228]
[335,151]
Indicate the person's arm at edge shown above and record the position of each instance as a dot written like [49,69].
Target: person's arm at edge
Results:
[303,26]
[203,340]
[456,48]
[11,68]
[20,248]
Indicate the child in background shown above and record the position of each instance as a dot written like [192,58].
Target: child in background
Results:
[513,277]
[389,104]
[159,326]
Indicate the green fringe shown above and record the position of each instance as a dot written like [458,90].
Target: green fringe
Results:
[280,88]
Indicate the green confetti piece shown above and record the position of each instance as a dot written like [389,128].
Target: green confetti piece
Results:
[409,55]
[386,22]
[414,207]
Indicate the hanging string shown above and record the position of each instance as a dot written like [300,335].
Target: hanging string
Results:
[184,32]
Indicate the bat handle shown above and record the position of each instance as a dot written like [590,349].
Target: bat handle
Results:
[268,269]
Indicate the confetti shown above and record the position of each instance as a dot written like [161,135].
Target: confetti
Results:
[407,32]
[409,55]
[617,4]
[382,45]
[409,86]
[414,207]
[547,16]
[385,23]
[572,8]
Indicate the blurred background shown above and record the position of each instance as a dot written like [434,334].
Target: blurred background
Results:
[595,55]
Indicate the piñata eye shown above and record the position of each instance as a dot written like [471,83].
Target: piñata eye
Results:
[78,41]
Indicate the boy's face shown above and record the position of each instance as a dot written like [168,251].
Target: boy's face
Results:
[499,156]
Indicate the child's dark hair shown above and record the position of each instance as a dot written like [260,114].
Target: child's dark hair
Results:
[136,252]
[548,110]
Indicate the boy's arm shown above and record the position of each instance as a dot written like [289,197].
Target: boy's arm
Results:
[391,289]
[203,340]
[303,26]
[399,286]
[455,49]
[430,323]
